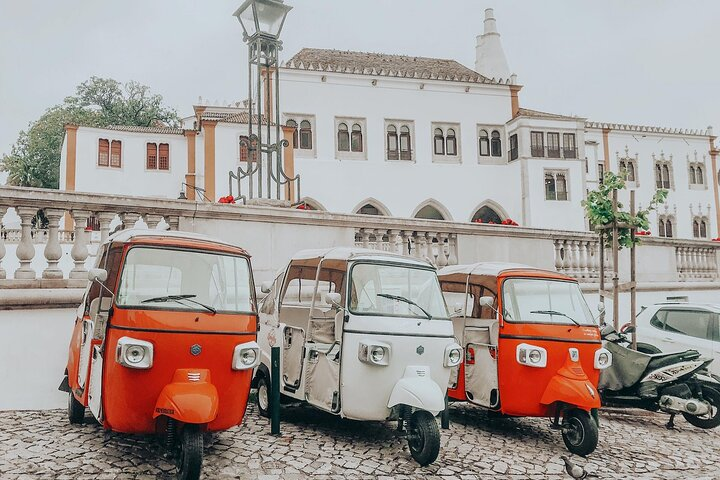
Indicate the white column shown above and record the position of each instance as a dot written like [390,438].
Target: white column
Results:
[53,251]
[105,219]
[79,250]
[26,249]
[442,256]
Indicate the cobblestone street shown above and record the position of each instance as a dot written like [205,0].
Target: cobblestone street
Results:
[41,444]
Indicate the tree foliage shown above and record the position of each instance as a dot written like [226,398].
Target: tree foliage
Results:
[599,210]
[34,160]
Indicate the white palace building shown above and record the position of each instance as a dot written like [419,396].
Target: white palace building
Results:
[413,137]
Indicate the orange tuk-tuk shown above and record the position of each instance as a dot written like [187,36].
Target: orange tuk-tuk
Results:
[165,340]
[532,346]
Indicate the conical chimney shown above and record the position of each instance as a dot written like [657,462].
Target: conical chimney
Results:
[490,58]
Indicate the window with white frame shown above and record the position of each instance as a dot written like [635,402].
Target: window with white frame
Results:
[628,168]
[489,142]
[665,225]
[109,153]
[399,140]
[700,227]
[303,141]
[350,138]
[663,172]
[446,142]
[556,185]
[696,173]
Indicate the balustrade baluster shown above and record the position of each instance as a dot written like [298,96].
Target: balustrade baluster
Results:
[575,258]
[173,222]
[129,219]
[405,236]
[432,247]
[26,249]
[152,220]
[378,244]
[105,219]
[452,249]
[365,237]
[393,239]
[79,252]
[558,257]
[53,251]
[442,259]
[421,242]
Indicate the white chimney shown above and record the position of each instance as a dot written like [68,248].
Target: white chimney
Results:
[490,58]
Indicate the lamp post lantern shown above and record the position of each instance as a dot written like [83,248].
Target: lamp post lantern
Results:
[262,21]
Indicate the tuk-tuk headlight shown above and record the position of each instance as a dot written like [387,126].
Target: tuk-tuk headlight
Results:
[133,353]
[603,359]
[531,355]
[246,356]
[374,353]
[453,355]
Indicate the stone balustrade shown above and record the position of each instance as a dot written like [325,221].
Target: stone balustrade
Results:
[273,234]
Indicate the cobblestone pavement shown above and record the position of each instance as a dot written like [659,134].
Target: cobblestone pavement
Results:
[41,444]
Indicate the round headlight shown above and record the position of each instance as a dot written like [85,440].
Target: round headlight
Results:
[534,356]
[247,357]
[134,354]
[377,354]
[603,359]
[454,356]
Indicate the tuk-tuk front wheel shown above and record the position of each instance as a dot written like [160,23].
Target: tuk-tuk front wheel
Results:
[263,396]
[423,437]
[579,432]
[190,451]
[76,410]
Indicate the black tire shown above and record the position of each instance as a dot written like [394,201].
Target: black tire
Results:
[262,399]
[423,437]
[190,453]
[647,348]
[75,409]
[711,420]
[579,432]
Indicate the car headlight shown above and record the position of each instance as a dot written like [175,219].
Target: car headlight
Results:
[603,359]
[374,353]
[531,355]
[453,355]
[246,356]
[133,353]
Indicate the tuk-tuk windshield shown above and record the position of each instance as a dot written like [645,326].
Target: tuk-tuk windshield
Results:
[540,300]
[395,290]
[157,278]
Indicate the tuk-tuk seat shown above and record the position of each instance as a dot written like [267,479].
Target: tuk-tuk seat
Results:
[490,324]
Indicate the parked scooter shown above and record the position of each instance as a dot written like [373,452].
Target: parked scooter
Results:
[670,382]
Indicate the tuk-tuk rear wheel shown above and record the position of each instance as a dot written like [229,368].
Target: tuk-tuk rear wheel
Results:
[423,437]
[190,452]
[263,397]
[76,410]
[579,432]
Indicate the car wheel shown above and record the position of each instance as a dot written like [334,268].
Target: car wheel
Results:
[75,409]
[262,398]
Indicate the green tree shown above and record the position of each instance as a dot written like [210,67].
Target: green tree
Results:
[34,160]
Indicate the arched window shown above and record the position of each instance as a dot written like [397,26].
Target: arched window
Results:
[103,152]
[484,143]
[151,157]
[451,142]
[630,172]
[405,145]
[439,142]
[668,228]
[164,156]
[693,179]
[356,140]
[666,176]
[293,124]
[699,176]
[703,229]
[661,227]
[561,185]
[305,135]
[486,215]
[115,153]
[369,209]
[658,176]
[696,229]
[343,138]
[392,143]
[429,212]
[496,144]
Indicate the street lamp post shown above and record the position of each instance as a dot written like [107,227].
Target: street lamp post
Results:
[262,22]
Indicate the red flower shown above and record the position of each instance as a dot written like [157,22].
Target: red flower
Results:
[226,199]
[478,220]
[716,239]
[302,206]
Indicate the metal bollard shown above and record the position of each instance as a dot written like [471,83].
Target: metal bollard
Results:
[445,415]
[275,391]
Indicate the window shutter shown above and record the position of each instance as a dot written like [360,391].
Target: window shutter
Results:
[103,152]
[115,153]
[164,157]
[151,156]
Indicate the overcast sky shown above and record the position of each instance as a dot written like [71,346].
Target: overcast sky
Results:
[648,62]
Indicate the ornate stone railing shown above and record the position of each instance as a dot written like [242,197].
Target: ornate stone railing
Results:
[438,247]
[695,262]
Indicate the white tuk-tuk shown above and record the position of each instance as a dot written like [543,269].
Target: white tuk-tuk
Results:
[365,335]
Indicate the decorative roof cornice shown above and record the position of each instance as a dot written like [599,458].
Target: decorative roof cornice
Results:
[622,127]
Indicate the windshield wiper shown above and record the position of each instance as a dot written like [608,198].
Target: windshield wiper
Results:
[555,312]
[406,300]
[179,298]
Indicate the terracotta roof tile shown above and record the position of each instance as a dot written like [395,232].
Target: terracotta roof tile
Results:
[139,129]
[526,112]
[236,117]
[380,64]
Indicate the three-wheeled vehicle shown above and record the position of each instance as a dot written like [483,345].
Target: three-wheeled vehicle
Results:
[532,346]
[365,335]
[165,340]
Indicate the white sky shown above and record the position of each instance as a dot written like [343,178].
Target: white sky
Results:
[647,62]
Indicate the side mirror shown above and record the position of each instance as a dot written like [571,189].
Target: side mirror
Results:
[265,287]
[487,301]
[98,274]
[334,299]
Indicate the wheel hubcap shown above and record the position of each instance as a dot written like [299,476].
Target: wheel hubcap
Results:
[263,397]
[574,431]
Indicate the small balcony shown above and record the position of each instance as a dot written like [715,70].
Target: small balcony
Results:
[537,151]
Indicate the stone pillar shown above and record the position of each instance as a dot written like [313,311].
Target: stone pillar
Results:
[26,249]
[105,219]
[79,250]
[129,219]
[153,220]
[53,251]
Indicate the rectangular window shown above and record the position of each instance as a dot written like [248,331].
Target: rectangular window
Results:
[103,152]
[569,147]
[115,153]
[151,160]
[601,171]
[553,145]
[164,157]
[556,185]
[514,147]
[537,144]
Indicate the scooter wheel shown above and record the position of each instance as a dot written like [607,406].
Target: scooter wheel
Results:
[423,437]
[75,409]
[579,432]
[712,419]
[262,399]
[189,455]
